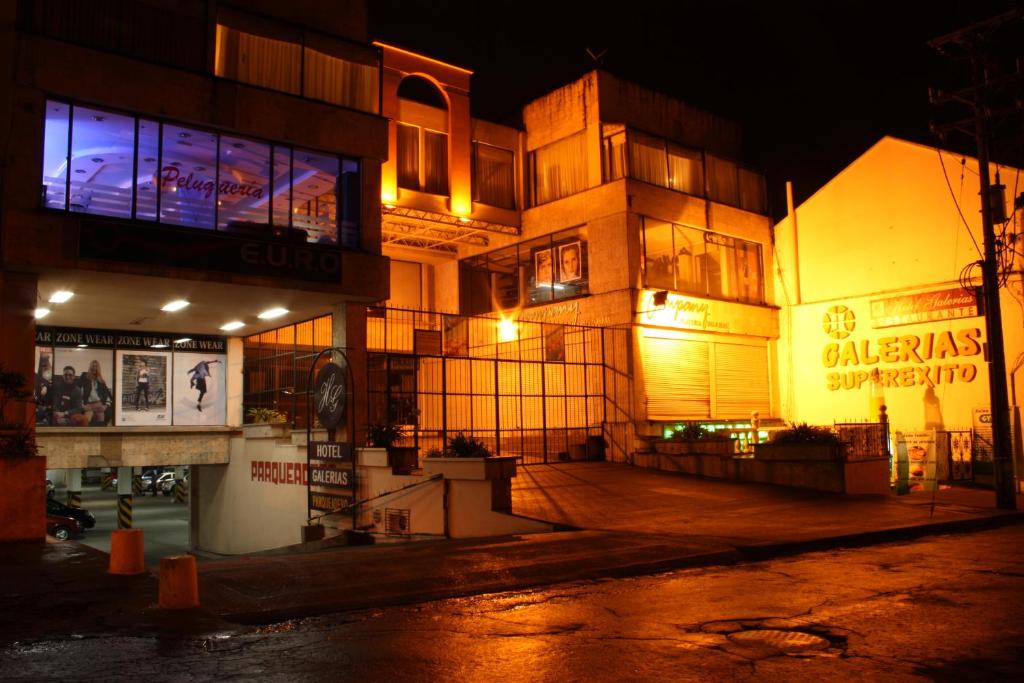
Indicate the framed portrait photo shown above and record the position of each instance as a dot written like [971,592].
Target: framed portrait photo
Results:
[543,267]
[570,262]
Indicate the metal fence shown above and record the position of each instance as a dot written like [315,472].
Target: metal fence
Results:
[541,391]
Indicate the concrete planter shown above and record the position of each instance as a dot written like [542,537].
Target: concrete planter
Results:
[266,430]
[22,513]
[474,469]
[704,446]
[403,459]
[800,451]
[866,476]
[372,457]
[684,464]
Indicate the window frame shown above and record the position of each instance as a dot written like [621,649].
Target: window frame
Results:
[735,245]
[512,204]
[219,134]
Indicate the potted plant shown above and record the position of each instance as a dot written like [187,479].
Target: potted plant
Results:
[22,514]
[402,459]
[466,457]
[265,422]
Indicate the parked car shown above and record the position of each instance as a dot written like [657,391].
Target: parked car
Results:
[84,517]
[165,483]
[62,528]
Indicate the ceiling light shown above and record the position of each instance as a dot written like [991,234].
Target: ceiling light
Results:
[272,313]
[42,313]
[233,325]
[175,305]
[158,346]
[83,346]
[60,296]
[183,340]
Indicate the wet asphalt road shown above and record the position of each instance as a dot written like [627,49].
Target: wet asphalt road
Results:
[942,608]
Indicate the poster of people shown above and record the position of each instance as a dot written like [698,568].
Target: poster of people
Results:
[200,389]
[570,262]
[543,268]
[144,393]
[41,384]
[82,391]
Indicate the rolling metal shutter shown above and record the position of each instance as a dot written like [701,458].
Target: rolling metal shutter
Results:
[741,381]
[677,378]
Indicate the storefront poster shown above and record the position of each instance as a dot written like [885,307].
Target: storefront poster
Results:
[570,262]
[543,268]
[144,393]
[41,385]
[82,393]
[554,343]
[456,336]
[199,389]
[919,450]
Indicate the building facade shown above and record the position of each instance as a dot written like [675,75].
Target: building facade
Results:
[163,194]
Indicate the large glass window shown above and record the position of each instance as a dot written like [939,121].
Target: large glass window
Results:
[536,271]
[558,170]
[102,149]
[128,167]
[275,64]
[494,176]
[350,79]
[432,174]
[693,261]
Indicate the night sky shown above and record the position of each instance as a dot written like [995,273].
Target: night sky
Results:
[814,84]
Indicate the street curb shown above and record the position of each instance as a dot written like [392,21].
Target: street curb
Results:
[737,555]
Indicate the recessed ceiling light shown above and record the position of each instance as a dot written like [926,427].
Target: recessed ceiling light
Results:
[272,313]
[183,340]
[83,346]
[233,325]
[175,305]
[42,313]
[60,296]
[158,346]
[97,160]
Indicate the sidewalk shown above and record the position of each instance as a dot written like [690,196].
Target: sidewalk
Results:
[631,521]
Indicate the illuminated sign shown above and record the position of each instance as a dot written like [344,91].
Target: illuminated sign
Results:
[928,359]
[945,304]
[707,315]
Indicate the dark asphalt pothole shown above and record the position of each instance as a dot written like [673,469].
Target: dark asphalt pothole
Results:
[781,641]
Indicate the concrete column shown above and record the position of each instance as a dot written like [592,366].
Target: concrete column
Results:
[74,479]
[124,497]
[349,333]
[234,381]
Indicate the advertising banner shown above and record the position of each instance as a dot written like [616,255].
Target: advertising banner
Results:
[199,389]
[919,450]
[144,397]
[41,385]
[82,394]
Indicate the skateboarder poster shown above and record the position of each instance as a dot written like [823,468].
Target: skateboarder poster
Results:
[199,389]
[144,394]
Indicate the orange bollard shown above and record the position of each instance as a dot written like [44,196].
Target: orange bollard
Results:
[179,584]
[126,552]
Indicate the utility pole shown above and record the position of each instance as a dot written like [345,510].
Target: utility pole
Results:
[972,43]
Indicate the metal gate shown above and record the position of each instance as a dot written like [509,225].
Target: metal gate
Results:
[543,392]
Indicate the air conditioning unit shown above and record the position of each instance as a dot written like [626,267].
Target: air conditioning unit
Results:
[397,522]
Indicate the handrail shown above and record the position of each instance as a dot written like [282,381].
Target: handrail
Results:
[433,477]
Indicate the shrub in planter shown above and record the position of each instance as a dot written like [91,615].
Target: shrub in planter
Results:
[805,433]
[403,459]
[265,415]
[462,446]
[694,438]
